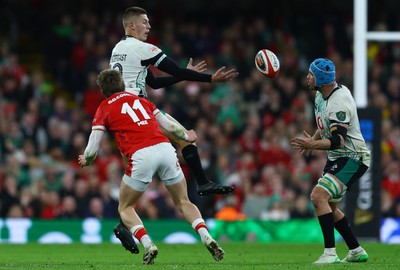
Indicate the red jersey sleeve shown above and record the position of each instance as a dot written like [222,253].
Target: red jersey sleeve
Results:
[151,105]
[99,120]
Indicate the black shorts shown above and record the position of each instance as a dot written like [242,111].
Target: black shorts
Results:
[347,170]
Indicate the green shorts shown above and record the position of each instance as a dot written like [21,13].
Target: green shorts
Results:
[346,170]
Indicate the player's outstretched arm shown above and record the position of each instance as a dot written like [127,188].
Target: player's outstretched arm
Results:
[159,82]
[175,128]
[171,67]
[92,148]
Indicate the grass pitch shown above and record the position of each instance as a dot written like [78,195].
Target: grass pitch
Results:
[184,256]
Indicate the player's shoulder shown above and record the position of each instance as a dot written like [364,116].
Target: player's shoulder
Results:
[342,98]
[343,89]
[136,42]
[138,47]
[342,92]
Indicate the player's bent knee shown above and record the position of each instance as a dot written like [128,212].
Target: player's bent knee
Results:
[123,207]
[319,196]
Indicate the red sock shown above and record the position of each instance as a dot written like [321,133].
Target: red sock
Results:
[140,233]
[200,225]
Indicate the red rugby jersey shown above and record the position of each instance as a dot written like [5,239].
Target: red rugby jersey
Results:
[132,121]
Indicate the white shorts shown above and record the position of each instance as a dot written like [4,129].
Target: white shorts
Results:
[157,159]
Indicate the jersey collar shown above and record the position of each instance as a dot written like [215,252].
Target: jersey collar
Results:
[338,86]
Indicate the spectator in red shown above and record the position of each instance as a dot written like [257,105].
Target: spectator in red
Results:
[51,207]
[92,96]
[270,151]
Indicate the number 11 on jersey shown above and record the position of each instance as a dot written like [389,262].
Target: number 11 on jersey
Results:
[137,106]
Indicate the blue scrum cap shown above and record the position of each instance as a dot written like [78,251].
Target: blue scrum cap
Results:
[324,71]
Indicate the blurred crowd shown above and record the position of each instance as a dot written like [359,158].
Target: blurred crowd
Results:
[48,97]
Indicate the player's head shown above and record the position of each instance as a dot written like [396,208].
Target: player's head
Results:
[110,82]
[323,71]
[136,23]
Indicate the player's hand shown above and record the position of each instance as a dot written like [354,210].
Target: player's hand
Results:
[82,161]
[191,135]
[200,67]
[303,145]
[222,76]
[307,152]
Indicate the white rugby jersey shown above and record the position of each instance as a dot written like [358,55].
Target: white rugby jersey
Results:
[340,107]
[127,57]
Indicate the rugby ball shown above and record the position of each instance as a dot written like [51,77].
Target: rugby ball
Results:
[267,63]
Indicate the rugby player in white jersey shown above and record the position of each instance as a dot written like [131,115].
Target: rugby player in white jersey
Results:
[338,132]
[132,57]
[135,123]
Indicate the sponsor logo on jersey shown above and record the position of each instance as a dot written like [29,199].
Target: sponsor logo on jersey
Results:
[320,124]
[154,49]
[334,167]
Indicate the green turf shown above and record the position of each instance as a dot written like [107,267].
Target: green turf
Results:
[238,256]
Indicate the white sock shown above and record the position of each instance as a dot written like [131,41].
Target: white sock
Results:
[203,232]
[197,222]
[146,241]
[330,251]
